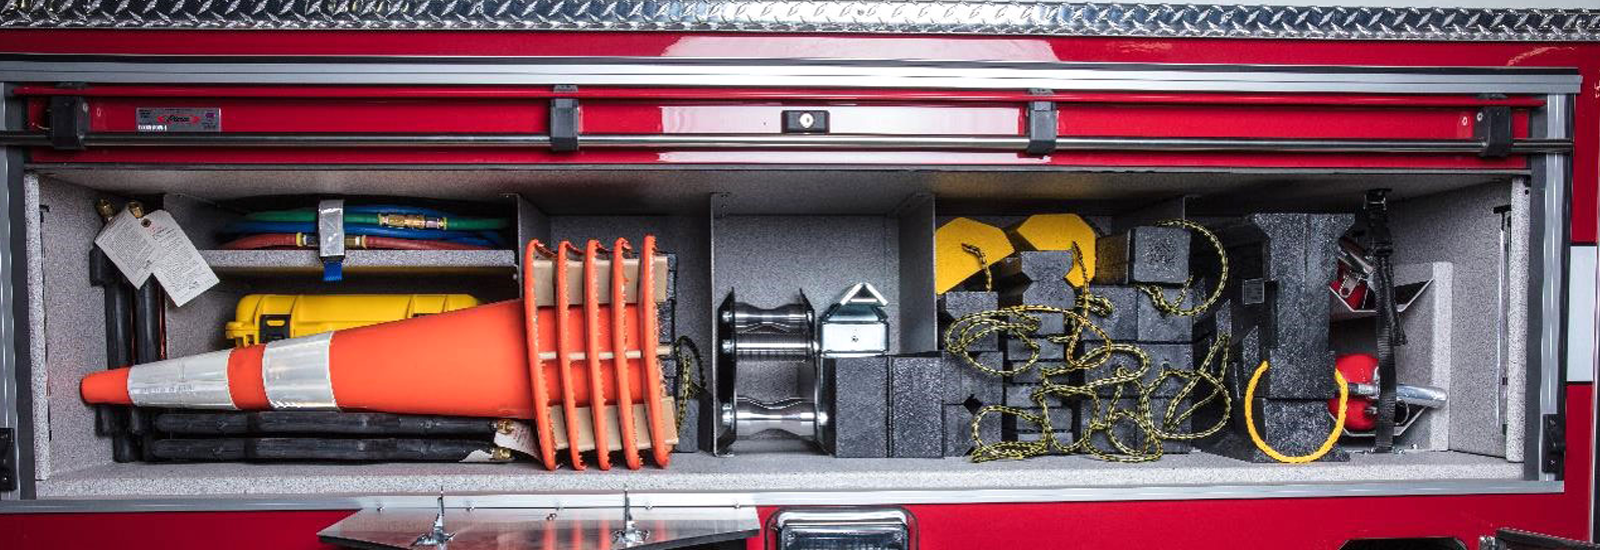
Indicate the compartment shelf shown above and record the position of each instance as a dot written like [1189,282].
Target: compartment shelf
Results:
[258,262]
[762,472]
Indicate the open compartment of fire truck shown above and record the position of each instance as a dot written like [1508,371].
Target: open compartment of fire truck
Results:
[872,320]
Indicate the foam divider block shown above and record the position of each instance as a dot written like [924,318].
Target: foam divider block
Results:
[1145,254]
[1292,427]
[861,407]
[958,430]
[962,382]
[1038,278]
[1063,421]
[1157,326]
[689,432]
[1017,351]
[1285,262]
[957,304]
[916,423]
[1019,395]
[1123,323]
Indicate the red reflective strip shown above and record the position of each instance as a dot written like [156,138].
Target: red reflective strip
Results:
[245,384]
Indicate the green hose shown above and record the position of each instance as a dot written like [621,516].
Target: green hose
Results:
[306,216]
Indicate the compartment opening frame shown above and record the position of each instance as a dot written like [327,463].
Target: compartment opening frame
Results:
[1551,180]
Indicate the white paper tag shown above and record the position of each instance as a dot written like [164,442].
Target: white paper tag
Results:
[177,264]
[129,247]
[518,437]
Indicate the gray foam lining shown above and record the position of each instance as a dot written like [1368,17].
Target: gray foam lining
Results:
[73,327]
[1517,324]
[1426,357]
[36,344]
[1461,227]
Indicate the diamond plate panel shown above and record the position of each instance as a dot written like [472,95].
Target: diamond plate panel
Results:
[920,17]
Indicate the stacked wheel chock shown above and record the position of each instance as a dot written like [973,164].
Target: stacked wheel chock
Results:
[582,339]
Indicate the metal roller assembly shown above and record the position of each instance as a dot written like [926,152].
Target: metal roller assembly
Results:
[786,333]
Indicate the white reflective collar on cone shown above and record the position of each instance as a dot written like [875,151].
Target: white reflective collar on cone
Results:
[193,382]
[296,374]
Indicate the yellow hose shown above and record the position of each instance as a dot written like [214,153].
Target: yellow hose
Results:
[1250,421]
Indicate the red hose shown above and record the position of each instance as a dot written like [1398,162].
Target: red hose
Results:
[392,243]
[289,240]
[265,240]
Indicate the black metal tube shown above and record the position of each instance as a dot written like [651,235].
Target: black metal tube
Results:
[147,340]
[112,421]
[320,423]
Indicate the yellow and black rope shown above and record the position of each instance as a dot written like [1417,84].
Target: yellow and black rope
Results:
[688,367]
[1099,436]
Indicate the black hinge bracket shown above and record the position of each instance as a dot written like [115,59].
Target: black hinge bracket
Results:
[1042,133]
[69,122]
[1553,449]
[1516,539]
[1492,127]
[8,466]
[564,119]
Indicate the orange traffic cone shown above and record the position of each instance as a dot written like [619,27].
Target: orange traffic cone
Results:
[496,360]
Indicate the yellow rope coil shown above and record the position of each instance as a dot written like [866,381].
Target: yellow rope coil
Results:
[1255,436]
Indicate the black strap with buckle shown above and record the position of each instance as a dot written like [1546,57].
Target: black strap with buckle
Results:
[1380,245]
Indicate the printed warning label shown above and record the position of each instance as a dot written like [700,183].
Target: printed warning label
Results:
[178,119]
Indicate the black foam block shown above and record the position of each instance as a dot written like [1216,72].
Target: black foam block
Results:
[1292,427]
[1017,350]
[1145,254]
[1063,422]
[1156,326]
[1038,278]
[860,407]
[958,430]
[689,433]
[962,381]
[1122,325]
[1285,262]
[916,423]
[1172,356]
[957,304]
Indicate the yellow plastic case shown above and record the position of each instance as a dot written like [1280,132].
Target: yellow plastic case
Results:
[262,318]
